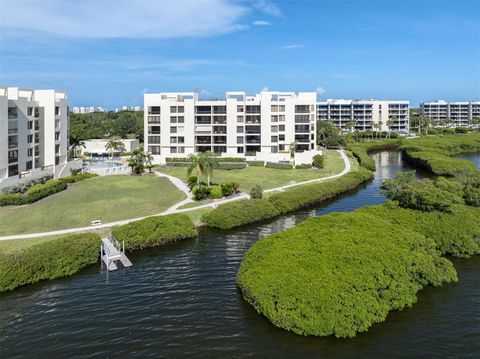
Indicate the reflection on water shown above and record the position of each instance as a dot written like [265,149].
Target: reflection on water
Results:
[181,301]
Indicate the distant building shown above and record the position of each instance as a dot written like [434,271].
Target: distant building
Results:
[97,147]
[366,114]
[88,109]
[127,108]
[33,134]
[452,113]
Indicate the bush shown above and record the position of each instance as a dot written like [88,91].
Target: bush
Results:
[79,177]
[215,192]
[318,161]
[75,171]
[56,258]
[303,166]
[238,213]
[22,187]
[155,231]
[192,181]
[363,158]
[200,191]
[256,192]
[339,274]
[280,166]
[229,188]
[256,163]
[231,165]
[307,195]
[11,199]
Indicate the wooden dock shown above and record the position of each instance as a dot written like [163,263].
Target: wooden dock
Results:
[111,251]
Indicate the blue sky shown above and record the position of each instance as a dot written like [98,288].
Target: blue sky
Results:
[109,52]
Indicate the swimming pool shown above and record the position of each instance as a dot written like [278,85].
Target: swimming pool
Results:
[104,164]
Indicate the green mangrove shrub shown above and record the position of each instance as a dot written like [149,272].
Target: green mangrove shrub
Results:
[339,274]
[56,258]
[318,161]
[256,192]
[155,231]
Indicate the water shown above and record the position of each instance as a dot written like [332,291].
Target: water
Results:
[104,164]
[181,301]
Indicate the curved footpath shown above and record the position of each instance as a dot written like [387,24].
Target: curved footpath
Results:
[174,209]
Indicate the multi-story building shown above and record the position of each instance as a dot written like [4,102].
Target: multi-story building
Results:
[90,109]
[127,108]
[33,133]
[365,114]
[179,124]
[451,113]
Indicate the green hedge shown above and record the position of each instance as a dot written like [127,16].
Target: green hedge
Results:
[79,177]
[155,231]
[279,166]
[231,165]
[436,162]
[303,166]
[238,213]
[49,260]
[339,274]
[256,163]
[307,195]
[214,158]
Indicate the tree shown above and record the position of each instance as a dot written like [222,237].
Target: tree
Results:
[377,127]
[351,125]
[476,123]
[196,165]
[292,148]
[148,158]
[76,143]
[391,121]
[113,145]
[207,164]
[328,134]
[137,160]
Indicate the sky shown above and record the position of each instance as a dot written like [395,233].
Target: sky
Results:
[110,52]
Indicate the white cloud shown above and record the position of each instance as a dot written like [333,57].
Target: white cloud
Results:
[320,90]
[268,8]
[261,23]
[265,89]
[124,18]
[292,46]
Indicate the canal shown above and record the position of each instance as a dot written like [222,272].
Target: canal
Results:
[181,301]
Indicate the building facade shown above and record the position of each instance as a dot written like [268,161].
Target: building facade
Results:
[179,124]
[371,115]
[91,109]
[33,133]
[451,113]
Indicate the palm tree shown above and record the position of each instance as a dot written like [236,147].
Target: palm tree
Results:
[208,164]
[148,158]
[113,145]
[476,123]
[391,121]
[75,143]
[197,166]
[292,147]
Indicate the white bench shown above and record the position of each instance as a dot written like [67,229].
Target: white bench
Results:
[96,222]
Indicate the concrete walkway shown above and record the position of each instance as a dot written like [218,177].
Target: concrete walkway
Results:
[174,209]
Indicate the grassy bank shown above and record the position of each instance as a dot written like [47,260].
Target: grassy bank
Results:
[234,214]
[108,198]
[338,274]
[267,177]
[361,151]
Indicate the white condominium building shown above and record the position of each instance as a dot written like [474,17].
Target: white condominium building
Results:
[367,114]
[456,113]
[179,124]
[33,133]
[91,109]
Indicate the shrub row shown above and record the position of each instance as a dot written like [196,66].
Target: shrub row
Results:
[214,158]
[339,274]
[39,191]
[155,231]
[22,187]
[303,166]
[233,214]
[256,163]
[279,166]
[231,165]
[49,260]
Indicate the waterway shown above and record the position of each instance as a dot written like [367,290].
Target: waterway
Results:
[181,301]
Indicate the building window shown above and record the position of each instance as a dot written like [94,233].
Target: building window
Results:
[57,136]
[173,150]
[239,140]
[153,119]
[281,118]
[154,139]
[274,128]
[181,139]
[274,149]
[30,138]
[37,112]
[154,110]
[154,150]
[281,147]
[281,137]
[180,119]
[12,112]
[29,111]
[57,149]
[57,110]
[173,109]
[274,108]
[274,118]
[239,129]
[30,125]
[239,149]
[274,139]
[173,119]
[240,119]
[181,109]
[29,165]
[281,108]
[57,123]
[173,140]
[181,150]
[13,170]
[154,130]
[30,152]
[173,129]
[281,127]
[239,108]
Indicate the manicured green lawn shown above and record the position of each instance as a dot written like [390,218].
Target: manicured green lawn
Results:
[109,198]
[267,177]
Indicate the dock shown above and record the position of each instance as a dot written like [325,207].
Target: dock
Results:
[111,251]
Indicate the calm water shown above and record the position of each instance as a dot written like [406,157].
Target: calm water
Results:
[181,301]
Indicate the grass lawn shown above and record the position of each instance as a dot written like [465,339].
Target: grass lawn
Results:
[267,177]
[108,198]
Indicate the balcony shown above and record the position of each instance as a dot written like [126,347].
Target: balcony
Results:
[12,159]
[12,131]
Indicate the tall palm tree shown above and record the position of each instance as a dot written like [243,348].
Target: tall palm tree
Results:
[391,121]
[148,158]
[292,148]
[208,164]
[196,165]
[113,145]
[75,144]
